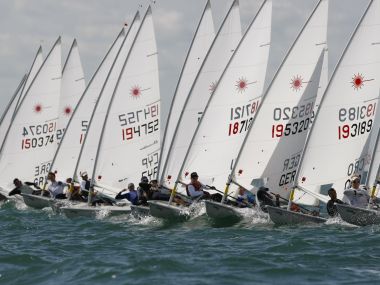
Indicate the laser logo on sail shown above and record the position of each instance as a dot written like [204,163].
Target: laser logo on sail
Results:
[135,91]
[296,83]
[67,110]
[358,81]
[38,108]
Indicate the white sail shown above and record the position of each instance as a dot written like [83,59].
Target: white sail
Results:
[130,140]
[8,116]
[234,101]
[205,82]
[274,143]
[346,114]
[87,156]
[374,170]
[68,150]
[30,143]
[201,43]
[72,87]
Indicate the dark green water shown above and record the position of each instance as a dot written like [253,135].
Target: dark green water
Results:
[39,247]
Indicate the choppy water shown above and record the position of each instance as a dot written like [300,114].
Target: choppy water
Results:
[39,247]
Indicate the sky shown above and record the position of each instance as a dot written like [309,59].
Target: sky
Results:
[27,24]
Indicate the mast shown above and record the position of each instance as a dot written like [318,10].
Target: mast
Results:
[373,160]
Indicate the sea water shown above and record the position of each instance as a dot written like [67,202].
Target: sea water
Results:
[41,247]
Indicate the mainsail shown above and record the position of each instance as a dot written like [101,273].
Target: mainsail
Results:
[346,114]
[232,106]
[273,145]
[130,138]
[201,90]
[30,141]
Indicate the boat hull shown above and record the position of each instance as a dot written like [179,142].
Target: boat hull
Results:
[93,212]
[217,210]
[36,201]
[358,216]
[281,216]
[162,210]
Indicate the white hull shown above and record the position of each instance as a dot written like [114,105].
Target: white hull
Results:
[94,211]
[281,216]
[36,201]
[162,210]
[358,216]
[217,210]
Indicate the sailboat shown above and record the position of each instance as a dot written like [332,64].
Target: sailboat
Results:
[339,132]
[278,132]
[130,131]
[72,86]
[29,141]
[241,69]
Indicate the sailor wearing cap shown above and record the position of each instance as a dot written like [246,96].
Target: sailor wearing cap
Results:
[195,188]
[356,196]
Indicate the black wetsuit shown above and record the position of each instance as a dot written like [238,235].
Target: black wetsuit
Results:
[331,208]
[265,199]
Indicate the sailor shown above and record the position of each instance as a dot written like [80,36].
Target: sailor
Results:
[245,198]
[144,191]
[265,199]
[22,188]
[131,195]
[84,185]
[331,207]
[73,192]
[195,188]
[156,193]
[355,195]
[56,187]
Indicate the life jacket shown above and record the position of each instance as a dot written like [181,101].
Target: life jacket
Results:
[196,185]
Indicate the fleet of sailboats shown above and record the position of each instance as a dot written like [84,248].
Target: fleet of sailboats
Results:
[300,135]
